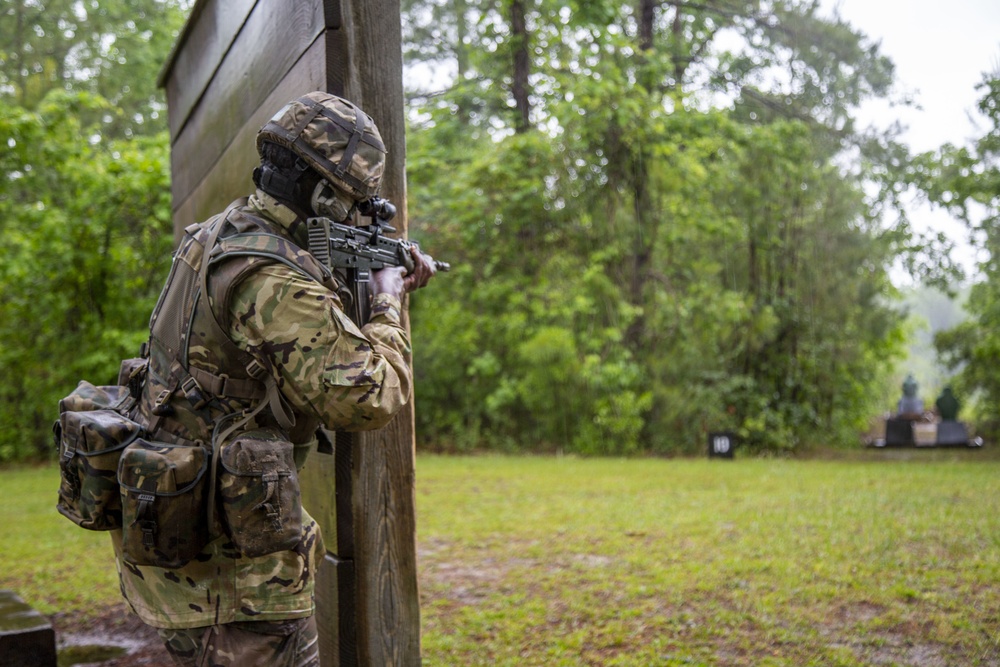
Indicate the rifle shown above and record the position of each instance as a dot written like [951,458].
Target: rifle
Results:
[362,249]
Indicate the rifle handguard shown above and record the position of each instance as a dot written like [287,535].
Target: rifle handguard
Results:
[406,259]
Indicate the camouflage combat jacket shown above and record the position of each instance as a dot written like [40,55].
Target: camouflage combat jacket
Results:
[329,372]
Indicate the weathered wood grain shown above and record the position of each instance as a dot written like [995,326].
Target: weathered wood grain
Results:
[387,597]
[328,610]
[385,527]
[229,178]
[200,50]
[261,57]
[319,495]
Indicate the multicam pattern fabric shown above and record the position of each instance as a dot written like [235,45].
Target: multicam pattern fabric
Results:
[272,644]
[163,491]
[351,379]
[181,337]
[329,370]
[335,137]
[87,396]
[259,492]
[221,586]
[90,443]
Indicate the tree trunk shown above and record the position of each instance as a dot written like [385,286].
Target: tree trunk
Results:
[461,32]
[647,15]
[680,64]
[19,53]
[644,234]
[519,84]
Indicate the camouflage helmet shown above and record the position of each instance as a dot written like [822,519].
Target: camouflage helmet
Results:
[336,138]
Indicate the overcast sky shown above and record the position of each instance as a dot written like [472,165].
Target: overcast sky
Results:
[941,50]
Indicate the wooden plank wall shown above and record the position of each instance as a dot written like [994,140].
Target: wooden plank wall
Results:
[235,64]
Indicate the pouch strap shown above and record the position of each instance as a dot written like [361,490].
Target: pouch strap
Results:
[272,510]
[213,321]
[224,386]
[193,393]
[279,406]
[69,473]
[143,517]
[240,419]
[147,526]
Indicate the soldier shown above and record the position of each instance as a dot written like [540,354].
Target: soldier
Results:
[251,335]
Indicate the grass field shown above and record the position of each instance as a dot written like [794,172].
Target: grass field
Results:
[563,561]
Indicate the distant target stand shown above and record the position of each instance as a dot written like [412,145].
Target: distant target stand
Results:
[721,445]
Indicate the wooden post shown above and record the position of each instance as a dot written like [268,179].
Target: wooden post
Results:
[385,528]
[235,64]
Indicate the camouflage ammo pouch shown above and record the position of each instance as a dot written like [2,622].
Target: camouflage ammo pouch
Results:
[92,431]
[163,496]
[258,489]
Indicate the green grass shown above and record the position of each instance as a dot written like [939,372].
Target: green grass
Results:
[527,561]
[563,561]
[47,560]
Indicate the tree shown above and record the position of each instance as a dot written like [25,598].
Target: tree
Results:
[966,182]
[696,196]
[86,226]
[113,49]
[84,198]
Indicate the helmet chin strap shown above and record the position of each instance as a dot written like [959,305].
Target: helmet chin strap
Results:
[327,202]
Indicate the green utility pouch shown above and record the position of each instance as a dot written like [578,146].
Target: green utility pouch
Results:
[259,493]
[163,491]
[90,434]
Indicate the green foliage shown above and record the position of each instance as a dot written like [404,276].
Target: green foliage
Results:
[656,232]
[86,228]
[84,198]
[966,181]
[521,345]
[109,48]
[643,264]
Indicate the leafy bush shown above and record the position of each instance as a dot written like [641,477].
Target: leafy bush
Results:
[87,235]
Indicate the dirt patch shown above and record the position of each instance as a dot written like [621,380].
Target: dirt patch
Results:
[116,632]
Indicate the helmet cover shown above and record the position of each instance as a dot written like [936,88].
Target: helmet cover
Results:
[334,137]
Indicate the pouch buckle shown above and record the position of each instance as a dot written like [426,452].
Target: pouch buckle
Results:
[160,406]
[193,393]
[256,370]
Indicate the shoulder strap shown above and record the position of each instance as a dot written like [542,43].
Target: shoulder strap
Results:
[254,247]
[281,412]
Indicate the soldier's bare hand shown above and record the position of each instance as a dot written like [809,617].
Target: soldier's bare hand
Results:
[389,281]
[423,270]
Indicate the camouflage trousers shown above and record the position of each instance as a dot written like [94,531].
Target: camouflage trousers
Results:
[291,643]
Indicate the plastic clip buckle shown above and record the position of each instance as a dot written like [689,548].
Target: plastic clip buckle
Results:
[160,406]
[193,393]
[256,370]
